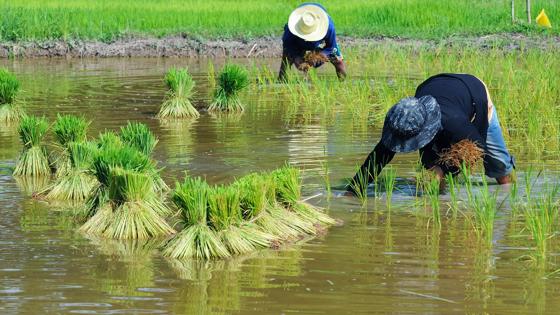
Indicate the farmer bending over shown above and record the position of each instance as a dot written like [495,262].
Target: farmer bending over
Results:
[309,40]
[446,109]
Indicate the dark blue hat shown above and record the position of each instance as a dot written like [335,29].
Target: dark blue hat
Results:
[411,124]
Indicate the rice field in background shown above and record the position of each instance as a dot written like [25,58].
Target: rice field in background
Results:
[107,20]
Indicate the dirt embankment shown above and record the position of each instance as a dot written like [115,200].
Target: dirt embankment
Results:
[259,47]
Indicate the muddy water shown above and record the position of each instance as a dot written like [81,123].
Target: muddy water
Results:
[377,262]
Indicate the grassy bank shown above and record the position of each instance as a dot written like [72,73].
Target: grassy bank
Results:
[107,20]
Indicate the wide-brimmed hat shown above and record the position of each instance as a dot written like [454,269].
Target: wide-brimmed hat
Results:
[309,22]
[411,124]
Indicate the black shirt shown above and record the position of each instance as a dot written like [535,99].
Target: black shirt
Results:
[464,115]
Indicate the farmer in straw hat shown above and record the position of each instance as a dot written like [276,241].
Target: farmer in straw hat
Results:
[446,109]
[310,29]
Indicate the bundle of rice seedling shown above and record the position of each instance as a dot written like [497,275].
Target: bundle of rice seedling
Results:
[10,110]
[67,129]
[70,128]
[288,192]
[140,137]
[78,182]
[464,152]
[226,217]
[109,139]
[177,104]
[135,207]
[33,159]
[231,81]
[258,203]
[197,239]
[109,157]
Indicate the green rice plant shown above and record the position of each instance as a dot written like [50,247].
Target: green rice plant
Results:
[389,178]
[288,193]
[453,188]
[231,81]
[78,183]
[224,207]
[139,136]
[109,157]
[136,209]
[484,213]
[70,128]
[541,220]
[67,129]
[197,239]
[109,139]
[33,160]
[177,102]
[10,110]
[431,188]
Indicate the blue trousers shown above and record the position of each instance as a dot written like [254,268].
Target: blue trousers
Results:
[498,162]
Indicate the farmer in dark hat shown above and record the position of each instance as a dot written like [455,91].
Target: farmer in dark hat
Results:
[446,109]
[310,29]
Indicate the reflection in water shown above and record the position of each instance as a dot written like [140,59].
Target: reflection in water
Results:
[30,185]
[177,135]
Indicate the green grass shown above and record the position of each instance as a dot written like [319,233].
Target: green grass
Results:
[107,20]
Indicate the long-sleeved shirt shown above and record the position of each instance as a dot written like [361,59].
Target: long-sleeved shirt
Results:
[297,46]
[463,103]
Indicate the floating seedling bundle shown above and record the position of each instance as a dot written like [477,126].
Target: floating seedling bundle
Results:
[77,183]
[138,136]
[231,81]
[67,129]
[257,211]
[177,102]
[125,205]
[33,160]
[10,110]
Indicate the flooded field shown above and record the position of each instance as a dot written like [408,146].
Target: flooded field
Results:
[379,261]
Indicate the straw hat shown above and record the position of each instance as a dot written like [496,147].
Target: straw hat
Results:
[309,22]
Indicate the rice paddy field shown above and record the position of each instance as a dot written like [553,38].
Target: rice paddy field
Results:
[108,20]
[478,248]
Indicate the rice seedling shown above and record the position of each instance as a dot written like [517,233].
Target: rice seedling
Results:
[231,81]
[389,178]
[109,139]
[224,207]
[78,183]
[67,129]
[33,160]
[70,128]
[431,188]
[138,136]
[197,239]
[136,209]
[177,102]
[107,158]
[288,192]
[453,188]
[10,110]
[359,185]
[541,220]
[484,213]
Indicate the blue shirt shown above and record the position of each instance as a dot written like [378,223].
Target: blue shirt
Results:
[297,46]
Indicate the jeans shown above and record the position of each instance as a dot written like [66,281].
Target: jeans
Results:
[498,162]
